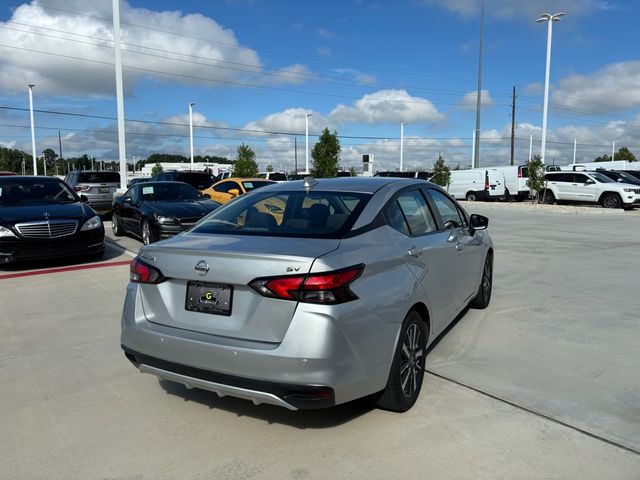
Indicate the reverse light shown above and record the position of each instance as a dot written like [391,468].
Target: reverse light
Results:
[91,224]
[141,272]
[5,232]
[327,288]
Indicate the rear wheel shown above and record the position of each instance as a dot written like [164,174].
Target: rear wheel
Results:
[611,200]
[507,196]
[116,226]
[471,197]
[407,368]
[547,197]
[483,297]
[147,232]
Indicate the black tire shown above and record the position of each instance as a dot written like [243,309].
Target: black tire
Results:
[483,297]
[547,197]
[611,200]
[507,195]
[471,196]
[97,255]
[146,232]
[407,368]
[116,226]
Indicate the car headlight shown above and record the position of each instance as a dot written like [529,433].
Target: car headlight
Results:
[165,220]
[629,190]
[5,232]
[92,223]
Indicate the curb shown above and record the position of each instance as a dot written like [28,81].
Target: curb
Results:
[547,209]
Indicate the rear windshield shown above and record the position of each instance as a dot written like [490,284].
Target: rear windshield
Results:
[278,177]
[524,172]
[200,181]
[99,177]
[35,190]
[287,214]
[253,184]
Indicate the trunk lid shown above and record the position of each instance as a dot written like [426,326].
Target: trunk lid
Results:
[233,261]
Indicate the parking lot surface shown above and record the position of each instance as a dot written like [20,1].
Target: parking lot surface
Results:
[542,384]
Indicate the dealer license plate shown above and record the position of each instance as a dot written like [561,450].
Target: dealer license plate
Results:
[212,298]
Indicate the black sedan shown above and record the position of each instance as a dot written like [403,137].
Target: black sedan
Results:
[41,217]
[154,211]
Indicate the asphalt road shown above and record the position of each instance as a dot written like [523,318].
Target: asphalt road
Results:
[542,384]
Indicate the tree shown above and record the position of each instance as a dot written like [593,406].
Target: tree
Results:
[269,168]
[326,154]
[536,180]
[441,173]
[353,171]
[623,153]
[156,170]
[245,165]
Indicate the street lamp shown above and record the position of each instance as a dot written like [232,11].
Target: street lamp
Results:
[401,143]
[191,104]
[33,130]
[306,141]
[547,17]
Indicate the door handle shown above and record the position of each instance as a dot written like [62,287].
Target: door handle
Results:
[460,246]
[414,252]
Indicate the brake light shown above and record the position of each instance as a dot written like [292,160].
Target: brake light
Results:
[519,173]
[82,188]
[486,180]
[141,272]
[326,288]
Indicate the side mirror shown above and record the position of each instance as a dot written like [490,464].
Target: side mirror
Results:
[126,200]
[478,222]
[206,195]
[84,198]
[234,191]
[589,182]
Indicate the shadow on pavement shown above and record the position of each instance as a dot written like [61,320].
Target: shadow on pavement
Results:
[109,254]
[302,419]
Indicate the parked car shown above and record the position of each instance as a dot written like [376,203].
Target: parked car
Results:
[633,173]
[231,188]
[6,174]
[515,181]
[41,217]
[154,211]
[620,177]
[198,180]
[294,311]
[275,176]
[477,184]
[418,174]
[98,187]
[589,187]
[137,180]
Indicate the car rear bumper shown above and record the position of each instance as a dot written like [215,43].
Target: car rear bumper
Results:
[317,364]
[20,250]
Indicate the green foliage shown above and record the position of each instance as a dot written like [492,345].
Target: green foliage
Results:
[353,172]
[156,170]
[269,168]
[326,154]
[441,173]
[536,179]
[245,165]
[623,153]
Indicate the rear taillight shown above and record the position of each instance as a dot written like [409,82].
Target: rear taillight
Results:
[82,188]
[486,180]
[519,173]
[328,288]
[140,272]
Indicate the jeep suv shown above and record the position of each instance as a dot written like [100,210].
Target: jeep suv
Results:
[589,187]
[97,186]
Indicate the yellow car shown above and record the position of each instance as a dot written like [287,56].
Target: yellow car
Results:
[230,188]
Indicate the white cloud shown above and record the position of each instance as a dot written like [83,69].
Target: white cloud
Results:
[324,33]
[387,106]
[508,9]
[291,120]
[614,87]
[469,100]
[83,64]
[324,51]
[360,77]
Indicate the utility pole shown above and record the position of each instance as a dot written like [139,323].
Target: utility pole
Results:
[479,92]
[295,154]
[513,123]
[60,150]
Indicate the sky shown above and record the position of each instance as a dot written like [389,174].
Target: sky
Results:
[255,68]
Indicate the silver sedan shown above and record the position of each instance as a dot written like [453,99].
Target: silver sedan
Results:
[309,294]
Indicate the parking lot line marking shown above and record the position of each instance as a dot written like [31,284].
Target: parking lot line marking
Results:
[46,271]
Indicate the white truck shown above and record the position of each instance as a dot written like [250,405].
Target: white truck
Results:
[477,184]
[515,181]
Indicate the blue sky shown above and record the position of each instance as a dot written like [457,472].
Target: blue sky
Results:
[254,68]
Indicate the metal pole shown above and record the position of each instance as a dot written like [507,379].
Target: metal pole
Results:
[306,142]
[575,143]
[546,90]
[473,150]
[613,151]
[530,146]
[401,144]
[513,125]
[44,164]
[33,130]
[479,91]
[119,94]
[191,130]
[295,154]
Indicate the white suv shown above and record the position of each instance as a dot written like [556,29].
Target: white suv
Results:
[590,187]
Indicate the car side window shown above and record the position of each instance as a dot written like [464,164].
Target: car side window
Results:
[410,214]
[224,187]
[452,217]
[580,178]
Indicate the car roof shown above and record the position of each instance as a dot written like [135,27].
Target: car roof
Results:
[350,184]
[13,178]
[253,179]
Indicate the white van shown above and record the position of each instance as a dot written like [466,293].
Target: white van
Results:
[476,184]
[515,181]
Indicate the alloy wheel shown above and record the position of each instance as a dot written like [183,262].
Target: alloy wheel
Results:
[412,361]
[146,233]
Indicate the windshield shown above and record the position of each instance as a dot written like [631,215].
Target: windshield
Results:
[35,190]
[168,192]
[99,177]
[601,178]
[627,177]
[287,214]
[256,184]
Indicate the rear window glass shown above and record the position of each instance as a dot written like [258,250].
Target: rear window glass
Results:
[99,177]
[278,177]
[287,214]
[255,184]
[196,180]
[524,172]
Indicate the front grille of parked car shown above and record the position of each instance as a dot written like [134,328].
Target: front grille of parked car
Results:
[47,228]
[189,222]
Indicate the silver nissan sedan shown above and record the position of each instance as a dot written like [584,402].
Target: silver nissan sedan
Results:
[310,293]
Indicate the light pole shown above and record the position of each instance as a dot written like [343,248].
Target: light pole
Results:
[306,142]
[33,130]
[122,150]
[191,104]
[547,17]
[401,143]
